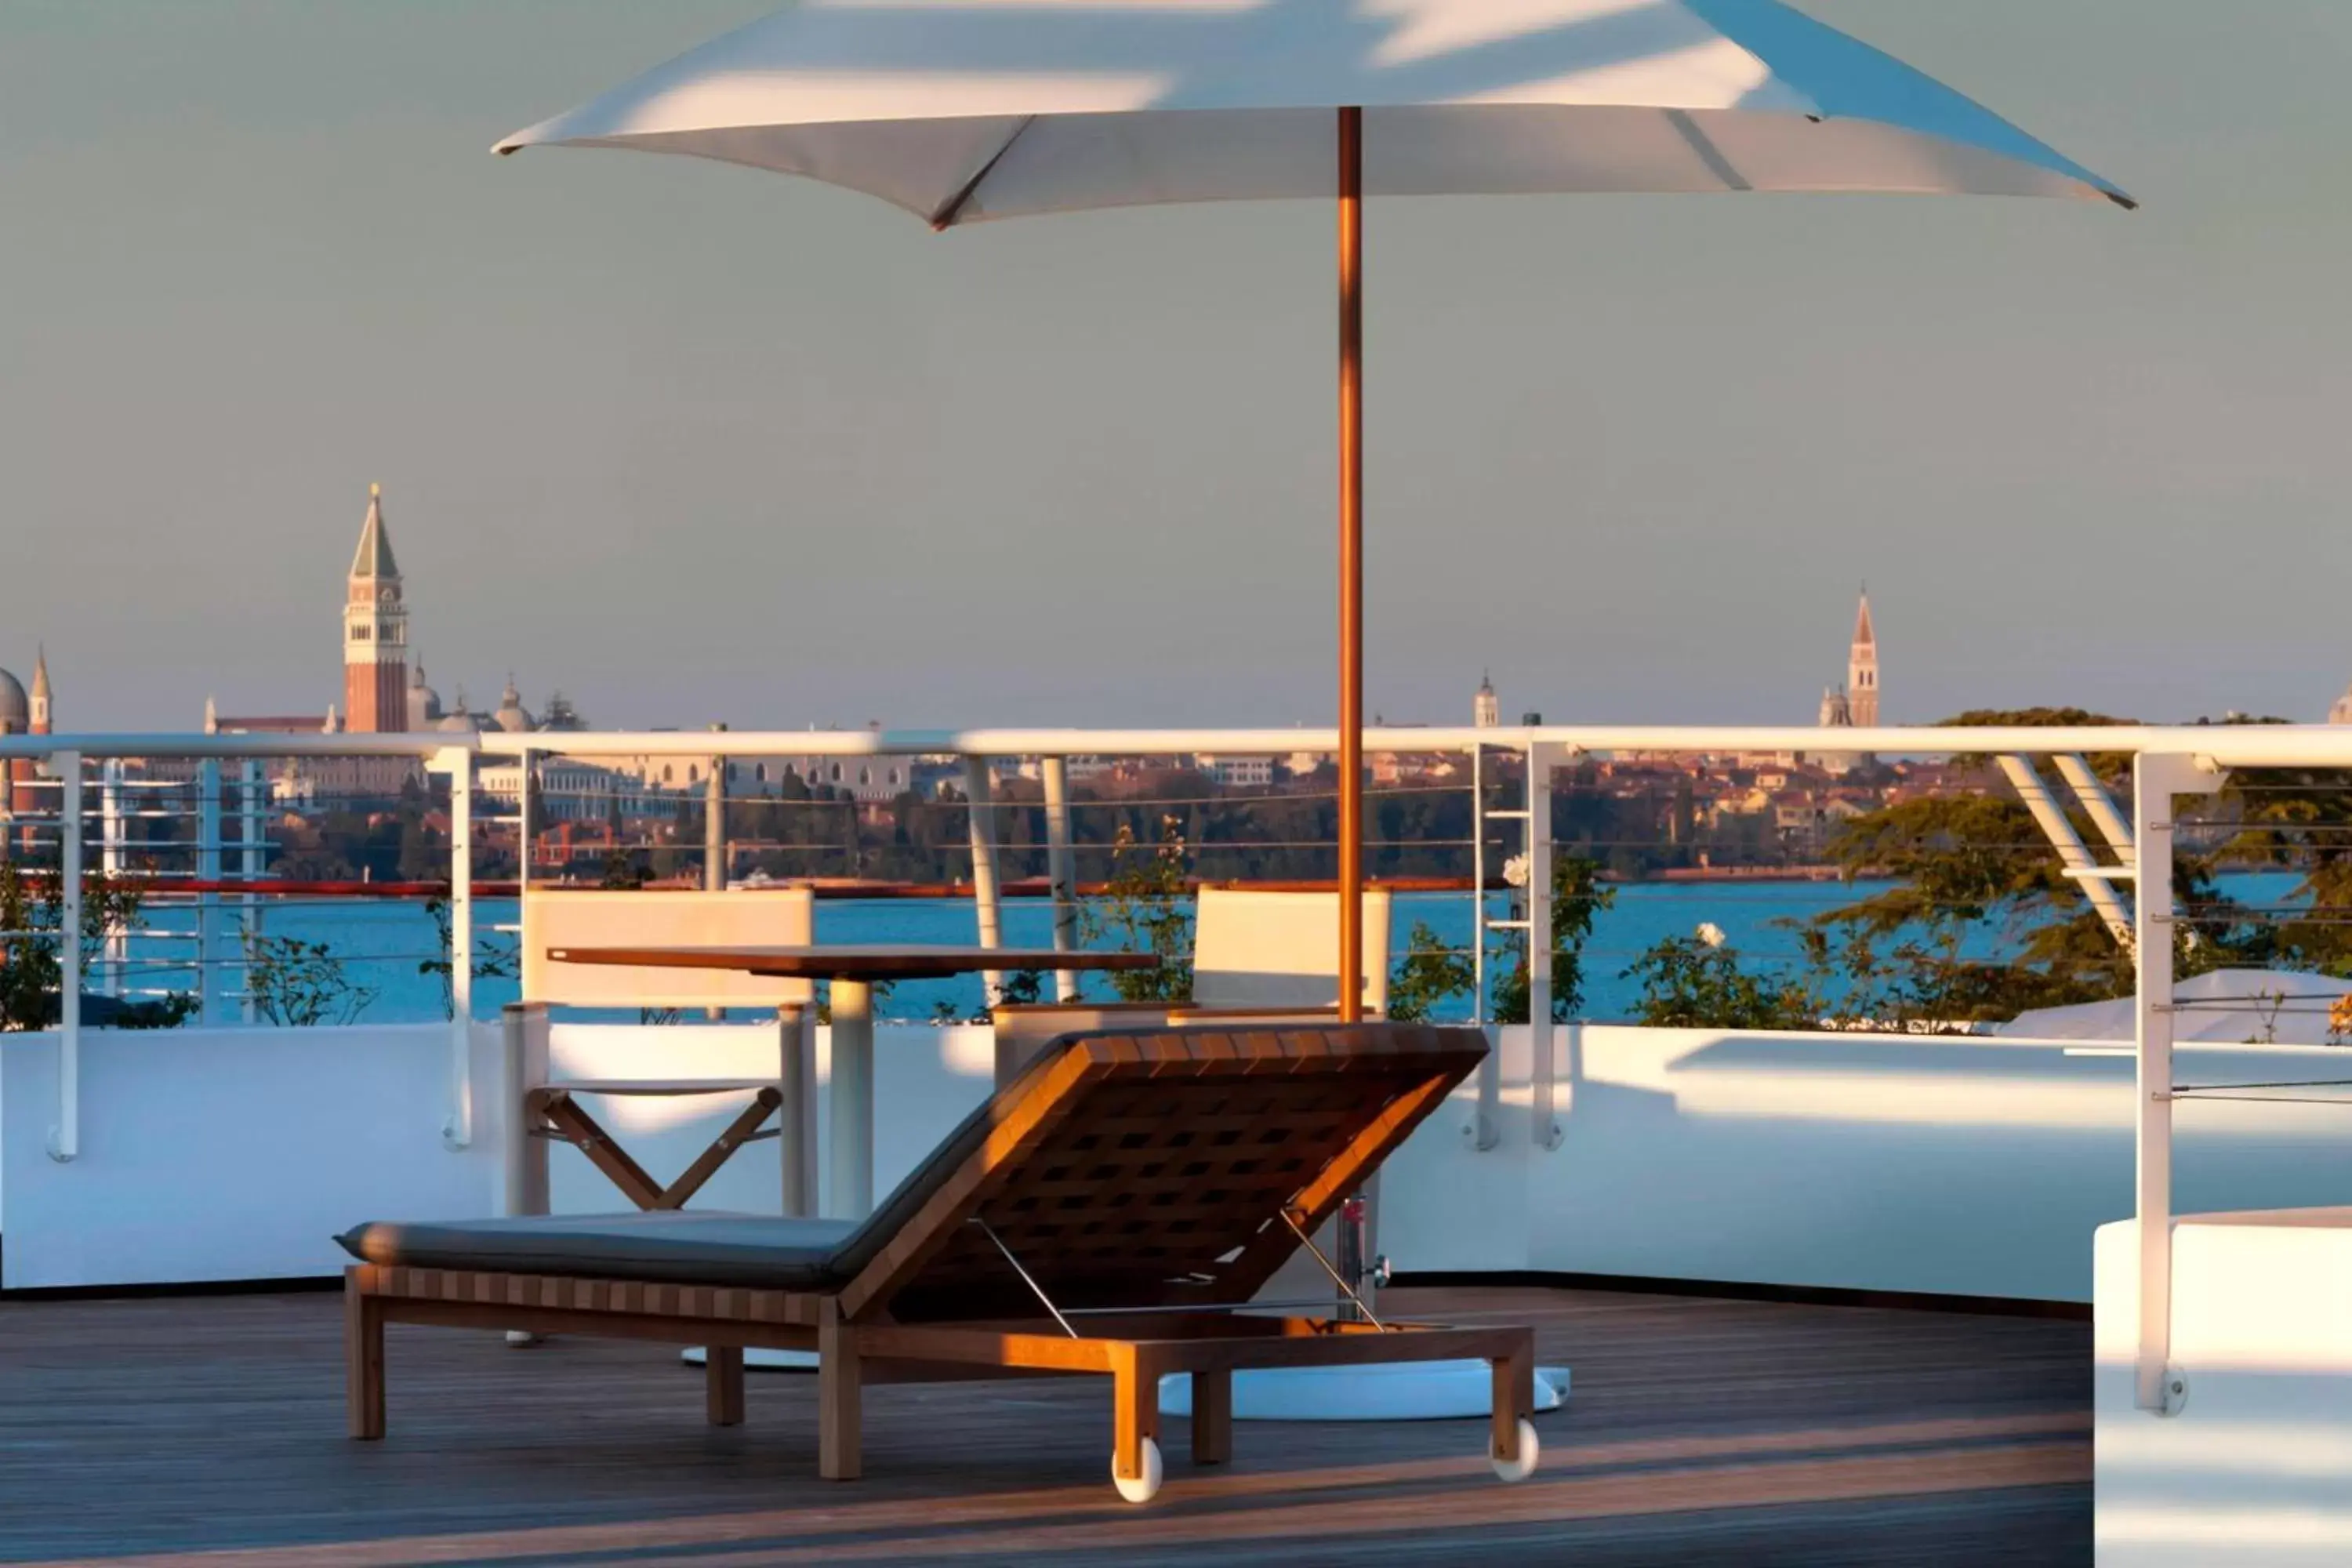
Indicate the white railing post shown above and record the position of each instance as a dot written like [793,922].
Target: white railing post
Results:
[2157,781]
[208,870]
[65,1138]
[458,1132]
[1544,1126]
[117,940]
[523,1068]
[249,849]
[980,812]
[1061,869]
[1486,1126]
[527,812]
[1478,893]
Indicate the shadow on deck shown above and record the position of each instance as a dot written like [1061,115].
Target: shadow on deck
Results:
[1699,1431]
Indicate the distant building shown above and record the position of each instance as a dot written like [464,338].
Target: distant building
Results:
[1862,669]
[1486,708]
[2341,713]
[384,693]
[1236,772]
[23,714]
[424,702]
[1854,705]
[375,632]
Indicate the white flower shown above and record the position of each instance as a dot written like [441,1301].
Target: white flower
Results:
[1515,870]
[1711,934]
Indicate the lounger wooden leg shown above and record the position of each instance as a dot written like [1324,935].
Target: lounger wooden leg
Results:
[722,1381]
[840,1420]
[363,1359]
[1138,1395]
[1213,1418]
[1515,1397]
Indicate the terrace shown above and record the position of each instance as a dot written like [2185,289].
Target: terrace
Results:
[152,1431]
[1621,1188]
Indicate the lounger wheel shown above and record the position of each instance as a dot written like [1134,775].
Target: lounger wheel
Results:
[1143,1488]
[1523,1466]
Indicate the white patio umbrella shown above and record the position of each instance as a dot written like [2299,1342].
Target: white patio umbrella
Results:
[960,111]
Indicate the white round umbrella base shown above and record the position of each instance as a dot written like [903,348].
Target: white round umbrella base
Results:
[1398,1391]
[756,1359]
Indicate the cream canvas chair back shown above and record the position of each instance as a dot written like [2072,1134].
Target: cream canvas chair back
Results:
[1257,949]
[569,917]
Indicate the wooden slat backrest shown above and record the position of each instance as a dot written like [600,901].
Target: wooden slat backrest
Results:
[1147,1169]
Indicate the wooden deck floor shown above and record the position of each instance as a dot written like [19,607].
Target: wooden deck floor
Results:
[1700,1431]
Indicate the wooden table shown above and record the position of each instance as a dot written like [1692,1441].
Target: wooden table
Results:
[853,971]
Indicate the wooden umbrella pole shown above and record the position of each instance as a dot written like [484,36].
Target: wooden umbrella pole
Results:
[1351,565]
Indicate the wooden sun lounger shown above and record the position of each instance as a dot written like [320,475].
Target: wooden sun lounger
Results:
[1102,1214]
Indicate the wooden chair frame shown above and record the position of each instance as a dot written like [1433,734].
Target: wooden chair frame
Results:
[547,1111]
[553,1113]
[1348,1095]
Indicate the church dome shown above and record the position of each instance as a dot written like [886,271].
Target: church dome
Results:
[15,710]
[424,709]
[462,721]
[511,716]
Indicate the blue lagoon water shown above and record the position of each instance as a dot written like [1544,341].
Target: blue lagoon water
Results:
[382,945]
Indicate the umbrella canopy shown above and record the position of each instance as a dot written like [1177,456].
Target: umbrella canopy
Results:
[964,109]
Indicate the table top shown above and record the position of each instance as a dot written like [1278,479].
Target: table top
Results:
[909,961]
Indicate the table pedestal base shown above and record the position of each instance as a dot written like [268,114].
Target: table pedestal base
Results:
[1398,1391]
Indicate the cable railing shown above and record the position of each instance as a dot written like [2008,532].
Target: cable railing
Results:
[206,837]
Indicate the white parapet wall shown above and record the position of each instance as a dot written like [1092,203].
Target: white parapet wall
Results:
[235,1155]
[1938,1165]
[1963,1166]
[214,1154]
[2254,1470]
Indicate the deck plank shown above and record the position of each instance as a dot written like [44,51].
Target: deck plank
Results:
[140,1431]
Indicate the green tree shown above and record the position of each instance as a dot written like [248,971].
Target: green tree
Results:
[1146,907]
[32,975]
[1698,983]
[1983,921]
[1577,899]
[1428,976]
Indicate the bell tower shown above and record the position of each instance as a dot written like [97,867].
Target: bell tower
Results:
[43,718]
[376,631]
[1862,669]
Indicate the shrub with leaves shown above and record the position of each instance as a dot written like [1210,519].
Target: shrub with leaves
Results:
[1428,976]
[493,959]
[1694,983]
[31,975]
[300,984]
[1146,907]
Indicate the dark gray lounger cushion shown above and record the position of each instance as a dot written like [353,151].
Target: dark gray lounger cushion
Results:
[689,1247]
[678,1247]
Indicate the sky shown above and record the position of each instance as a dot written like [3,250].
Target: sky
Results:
[694,443]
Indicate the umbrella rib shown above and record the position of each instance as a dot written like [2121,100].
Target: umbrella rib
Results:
[946,216]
